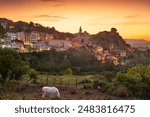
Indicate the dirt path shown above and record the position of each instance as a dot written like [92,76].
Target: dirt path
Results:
[66,94]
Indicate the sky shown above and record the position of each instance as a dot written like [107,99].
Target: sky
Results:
[130,17]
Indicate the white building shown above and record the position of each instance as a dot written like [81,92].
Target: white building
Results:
[12,36]
[40,45]
[60,44]
[123,53]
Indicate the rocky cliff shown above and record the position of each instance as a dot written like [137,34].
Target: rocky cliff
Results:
[110,39]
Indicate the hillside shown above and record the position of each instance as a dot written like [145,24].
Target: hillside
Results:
[10,26]
[109,40]
[105,39]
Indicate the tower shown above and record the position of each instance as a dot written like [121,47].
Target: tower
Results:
[80,30]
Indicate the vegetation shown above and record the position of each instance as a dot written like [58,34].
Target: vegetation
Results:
[136,80]
[74,68]
[80,61]
[2,32]
[68,71]
[11,65]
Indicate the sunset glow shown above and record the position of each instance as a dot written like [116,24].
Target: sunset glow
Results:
[130,17]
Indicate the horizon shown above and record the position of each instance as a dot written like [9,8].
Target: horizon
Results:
[130,18]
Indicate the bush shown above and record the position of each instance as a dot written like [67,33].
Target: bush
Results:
[136,80]
[121,91]
[85,81]
[11,85]
[87,86]
[1,79]
[103,85]
[33,75]
[68,71]
[108,75]
[112,89]
[22,87]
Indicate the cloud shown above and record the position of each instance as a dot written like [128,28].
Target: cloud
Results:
[14,1]
[129,23]
[121,17]
[131,16]
[50,16]
[47,20]
[52,0]
[127,20]
[55,3]
[133,20]
[58,5]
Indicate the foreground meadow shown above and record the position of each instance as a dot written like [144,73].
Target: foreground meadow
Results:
[70,87]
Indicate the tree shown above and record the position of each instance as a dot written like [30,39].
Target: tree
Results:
[33,75]
[68,71]
[137,80]
[2,34]
[11,65]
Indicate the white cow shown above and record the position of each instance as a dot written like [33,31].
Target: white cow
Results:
[52,91]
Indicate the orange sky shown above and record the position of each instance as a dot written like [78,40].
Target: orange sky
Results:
[130,17]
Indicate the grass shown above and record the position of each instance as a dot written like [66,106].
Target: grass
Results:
[23,89]
[70,80]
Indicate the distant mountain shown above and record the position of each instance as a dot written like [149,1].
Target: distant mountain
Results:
[110,39]
[137,43]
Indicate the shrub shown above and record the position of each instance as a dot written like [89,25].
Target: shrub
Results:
[1,79]
[68,71]
[87,86]
[103,85]
[95,84]
[22,87]
[85,81]
[108,75]
[33,75]
[112,89]
[11,85]
[121,91]
[136,80]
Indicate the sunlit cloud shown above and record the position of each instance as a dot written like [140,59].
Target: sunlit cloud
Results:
[131,16]
[52,0]
[131,23]
[14,1]
[50,16]
[47,18]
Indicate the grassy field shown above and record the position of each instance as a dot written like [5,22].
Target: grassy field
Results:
[66,80]
[70,87]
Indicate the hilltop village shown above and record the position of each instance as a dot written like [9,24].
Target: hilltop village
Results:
[106,45]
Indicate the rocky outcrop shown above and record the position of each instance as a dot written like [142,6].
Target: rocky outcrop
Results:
[110,39]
